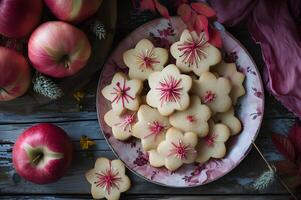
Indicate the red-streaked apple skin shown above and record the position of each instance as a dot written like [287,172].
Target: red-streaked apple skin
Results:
[18,18]
[43,135]
[15,76]
[51,41]
[73,11]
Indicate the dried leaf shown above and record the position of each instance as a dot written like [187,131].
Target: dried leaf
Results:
[161,9]
[284,146]
[294,136]
[147,5]
[201,24]
[203,9]
[286,167]
[184,11]
[214,37]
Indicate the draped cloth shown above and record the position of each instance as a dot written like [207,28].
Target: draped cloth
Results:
[275,25]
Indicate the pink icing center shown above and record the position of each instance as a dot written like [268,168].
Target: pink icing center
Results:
[209,140]
[170,89]
[146,59]
[208,97]
[121,93]
[180,150]
[155,128]
[126,122]
[108,179]
[190,118]
[192,51]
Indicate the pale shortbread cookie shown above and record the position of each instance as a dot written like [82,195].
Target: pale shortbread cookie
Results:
[121,124]
[194,53]
[177,148]
[151,127]
[228,118]
[155,159]
[229,70]
[123,93]
[213,145]
[108,179]
[168,90]
[214,92]
[193,119]
[144,59]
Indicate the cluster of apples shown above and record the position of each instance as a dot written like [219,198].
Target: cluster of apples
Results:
[55,48]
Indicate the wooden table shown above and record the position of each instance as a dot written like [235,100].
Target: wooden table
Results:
[65,113]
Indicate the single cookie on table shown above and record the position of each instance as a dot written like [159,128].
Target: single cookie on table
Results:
[228,118]
[121,124]
[229,70]
[213,145]
[123,93]
[108,179]
[150,127]
[169,90]
[213,91]
[194,53]
[177,149]
[194,119]
[144,59]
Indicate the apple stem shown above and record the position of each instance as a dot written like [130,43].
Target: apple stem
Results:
[38,157]
[66,61]
[3,90]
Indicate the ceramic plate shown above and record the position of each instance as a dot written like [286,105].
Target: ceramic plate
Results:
[249,110]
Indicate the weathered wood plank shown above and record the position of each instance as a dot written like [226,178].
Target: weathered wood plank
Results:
[154,197]
[236,182]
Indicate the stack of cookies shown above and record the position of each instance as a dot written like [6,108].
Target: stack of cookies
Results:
[183,112]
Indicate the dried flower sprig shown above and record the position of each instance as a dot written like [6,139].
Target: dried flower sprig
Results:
[268,177]
[264,180]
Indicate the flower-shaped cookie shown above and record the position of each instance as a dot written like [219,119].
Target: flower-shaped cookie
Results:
[228,118]
[193,119]
[168,90]
[178,148]
[121,124]
[194,53]
[213,145]
[144,59]
[123,93]
[214,92]
[150,127]
[108,179]
[228,70]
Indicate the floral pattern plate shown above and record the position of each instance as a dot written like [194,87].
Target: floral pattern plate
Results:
[163,33]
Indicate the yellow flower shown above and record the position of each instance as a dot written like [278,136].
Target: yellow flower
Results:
[86,143]
[79,95]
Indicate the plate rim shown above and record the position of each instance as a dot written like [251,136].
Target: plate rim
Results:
[98,93]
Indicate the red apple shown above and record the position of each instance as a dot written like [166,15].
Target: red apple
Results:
[15,75]
[42,153]
[73,10]
[58,49]
[18,18]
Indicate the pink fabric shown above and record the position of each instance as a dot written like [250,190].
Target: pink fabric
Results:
[274,25]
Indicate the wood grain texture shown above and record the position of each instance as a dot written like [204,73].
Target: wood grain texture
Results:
[237,182]
[65,113]
[154,197]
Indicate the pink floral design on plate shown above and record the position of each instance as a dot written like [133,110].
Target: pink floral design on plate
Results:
[250,113]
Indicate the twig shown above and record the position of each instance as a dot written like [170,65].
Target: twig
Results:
[273,169]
